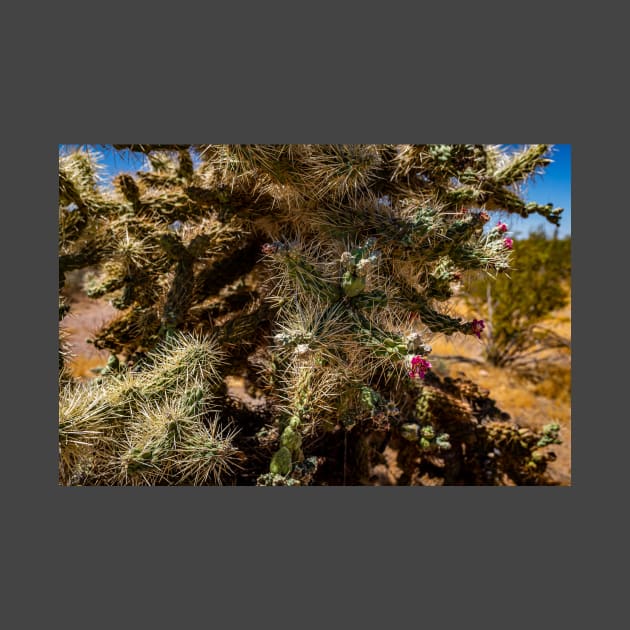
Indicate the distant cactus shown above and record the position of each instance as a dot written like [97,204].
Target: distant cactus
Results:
[318,275]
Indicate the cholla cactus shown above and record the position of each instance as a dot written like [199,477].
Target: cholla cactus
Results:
[457,435]
[154,424]
[321,273]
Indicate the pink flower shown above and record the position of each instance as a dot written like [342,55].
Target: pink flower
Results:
[502,227]
[269,248]
[419,367]
[508,242]
[477,326]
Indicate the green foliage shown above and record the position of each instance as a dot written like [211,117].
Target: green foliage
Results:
[315,272]
[538,283]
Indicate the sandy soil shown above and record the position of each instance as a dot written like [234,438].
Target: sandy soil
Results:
[529,404]
[83,320]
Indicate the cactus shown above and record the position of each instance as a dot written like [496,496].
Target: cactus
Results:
[154,424]
[318,273]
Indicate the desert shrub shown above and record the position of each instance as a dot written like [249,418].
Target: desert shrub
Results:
[517,304]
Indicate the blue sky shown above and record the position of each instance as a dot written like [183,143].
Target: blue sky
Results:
[554,186]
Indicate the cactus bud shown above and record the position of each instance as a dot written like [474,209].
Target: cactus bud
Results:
[291,439]
[347,259]
[442,441]
[425,444]
[409,431]
[281,462]
[352,285]
[428,432]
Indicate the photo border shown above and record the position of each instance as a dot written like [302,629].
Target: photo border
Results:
[396,552]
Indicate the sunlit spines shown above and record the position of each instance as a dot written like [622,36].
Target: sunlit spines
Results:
[207,455]
[408,160]
[342,171]
[166,443]
[308,327]
[309,391]
[522,165]
[252,167]
[298,268]
[181,359]
[166,402]
[80,176]
[132,262]
[82,232]
[84,425]
[376,349]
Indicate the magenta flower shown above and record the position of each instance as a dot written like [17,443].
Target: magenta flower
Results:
[269,248]
[477,326]
[508,242]
[419,367]
[502,227]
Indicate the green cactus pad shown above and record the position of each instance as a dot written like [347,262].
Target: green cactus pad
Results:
[281,462]
[352,285]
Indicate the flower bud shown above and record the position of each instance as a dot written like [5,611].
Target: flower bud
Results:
[409,431]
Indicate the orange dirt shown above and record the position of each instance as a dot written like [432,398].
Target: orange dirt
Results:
[83,320]
[529,404]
